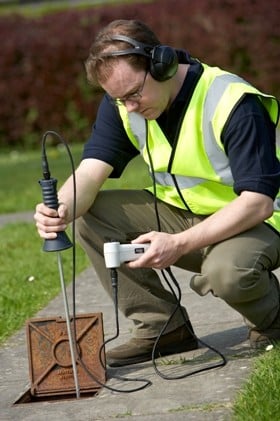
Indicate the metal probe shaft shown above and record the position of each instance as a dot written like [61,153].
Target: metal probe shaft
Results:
[68,323]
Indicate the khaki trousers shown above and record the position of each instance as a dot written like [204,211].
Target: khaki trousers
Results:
[237,270]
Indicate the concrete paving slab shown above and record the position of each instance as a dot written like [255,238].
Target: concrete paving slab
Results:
[207,395]
[27,216]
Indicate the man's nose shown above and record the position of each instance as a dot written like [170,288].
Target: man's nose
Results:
[131,105]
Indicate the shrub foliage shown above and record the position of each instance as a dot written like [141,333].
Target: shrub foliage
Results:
[42,78]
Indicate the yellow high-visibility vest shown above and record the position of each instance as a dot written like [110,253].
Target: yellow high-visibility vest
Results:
[196,170]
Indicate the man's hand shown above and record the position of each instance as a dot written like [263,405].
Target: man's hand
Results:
[246,211]
[50,221]
[163,252]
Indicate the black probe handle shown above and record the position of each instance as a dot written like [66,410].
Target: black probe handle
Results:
[61,242]
[49,192]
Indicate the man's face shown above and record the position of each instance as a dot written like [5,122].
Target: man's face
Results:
[137,90]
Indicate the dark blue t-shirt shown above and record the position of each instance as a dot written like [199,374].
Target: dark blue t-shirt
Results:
[248,139]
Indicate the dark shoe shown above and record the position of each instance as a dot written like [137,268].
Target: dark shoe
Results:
[138,350]
[260,339]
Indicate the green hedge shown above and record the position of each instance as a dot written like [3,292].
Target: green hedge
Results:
[42,78]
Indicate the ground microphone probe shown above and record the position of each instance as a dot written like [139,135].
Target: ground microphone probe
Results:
[115,254]
[62,242]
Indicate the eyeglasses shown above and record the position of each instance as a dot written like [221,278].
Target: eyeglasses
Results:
[135,96]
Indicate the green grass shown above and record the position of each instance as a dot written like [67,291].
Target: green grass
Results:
[20,172]
[28,276]
[259,398]
[41,9]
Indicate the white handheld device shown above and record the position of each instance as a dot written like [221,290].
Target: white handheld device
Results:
[115,253]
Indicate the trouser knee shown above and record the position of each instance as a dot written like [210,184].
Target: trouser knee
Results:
[82,230]
[231,283]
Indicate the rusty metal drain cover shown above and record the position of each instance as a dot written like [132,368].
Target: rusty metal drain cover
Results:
[50,364]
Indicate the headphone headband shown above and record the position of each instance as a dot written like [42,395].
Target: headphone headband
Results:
[139,47]
[163,59]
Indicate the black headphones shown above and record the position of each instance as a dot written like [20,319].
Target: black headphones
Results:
[163,59]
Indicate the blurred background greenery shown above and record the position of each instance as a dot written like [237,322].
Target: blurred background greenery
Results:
[43,87]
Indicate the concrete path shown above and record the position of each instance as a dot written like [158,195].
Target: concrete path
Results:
[205,396]
[16,217]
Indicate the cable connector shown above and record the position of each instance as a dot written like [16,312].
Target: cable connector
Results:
[114,277]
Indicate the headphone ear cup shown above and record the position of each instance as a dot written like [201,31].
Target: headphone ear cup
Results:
[163,63]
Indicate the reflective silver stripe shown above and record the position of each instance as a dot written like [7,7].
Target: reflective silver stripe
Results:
[138,126]
[277,204]
[166,179]
[216,156]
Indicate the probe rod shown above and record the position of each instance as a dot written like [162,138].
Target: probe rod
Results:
[70,336]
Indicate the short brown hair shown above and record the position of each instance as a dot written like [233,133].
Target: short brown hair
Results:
[99,67]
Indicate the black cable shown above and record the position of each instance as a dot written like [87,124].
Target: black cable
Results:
[46,174]
[152,172]
[114,278]
[175,282]
[178,306]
